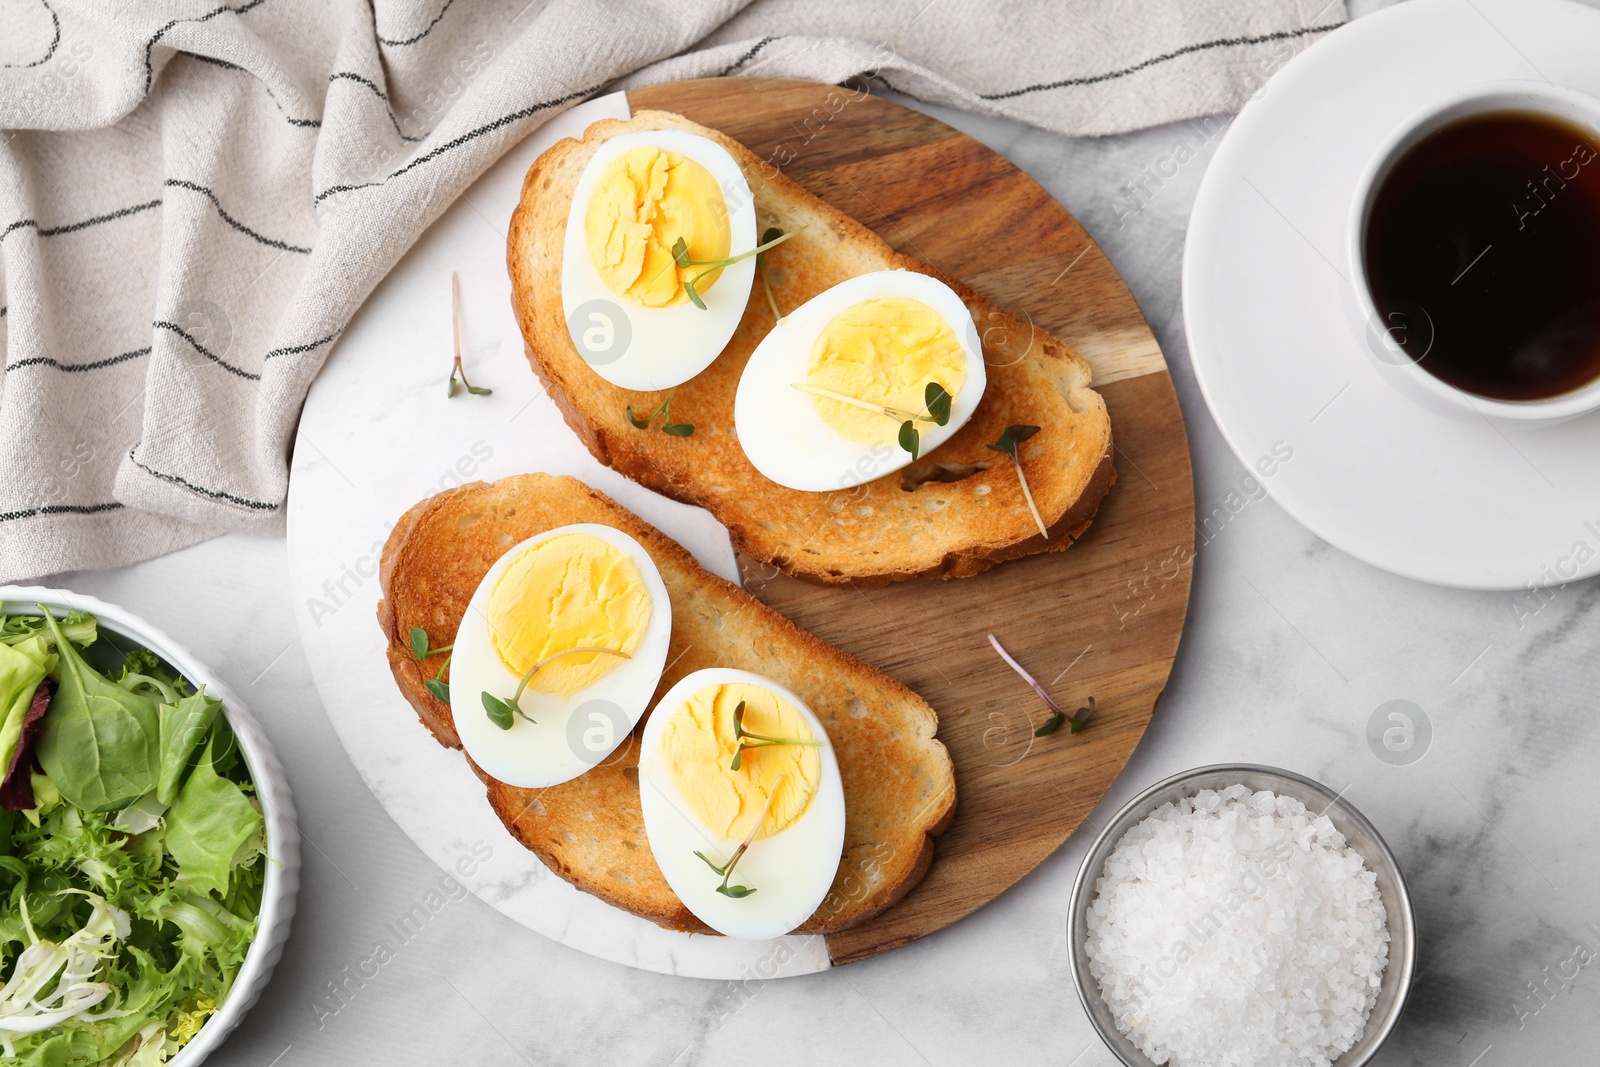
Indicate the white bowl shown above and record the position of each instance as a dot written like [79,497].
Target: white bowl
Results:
[282,833]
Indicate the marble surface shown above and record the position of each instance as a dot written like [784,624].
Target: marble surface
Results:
[1290,649]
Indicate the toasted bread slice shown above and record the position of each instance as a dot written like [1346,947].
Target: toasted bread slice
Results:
[899,786]
[954,513]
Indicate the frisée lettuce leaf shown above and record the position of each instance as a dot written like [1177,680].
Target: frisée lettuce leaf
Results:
[80,628]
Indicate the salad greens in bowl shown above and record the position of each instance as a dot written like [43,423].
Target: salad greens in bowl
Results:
[148,854]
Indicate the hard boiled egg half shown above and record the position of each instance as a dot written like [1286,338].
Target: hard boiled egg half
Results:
[786,800]
[822,399]
[586,606]
[625,297]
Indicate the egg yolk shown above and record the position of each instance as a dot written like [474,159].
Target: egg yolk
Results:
[572,591]
[885,352]
[697,750]
[645,200]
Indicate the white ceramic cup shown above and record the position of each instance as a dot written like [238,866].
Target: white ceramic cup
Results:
[1381,331]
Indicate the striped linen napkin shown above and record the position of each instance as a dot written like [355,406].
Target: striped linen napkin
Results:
[195,198]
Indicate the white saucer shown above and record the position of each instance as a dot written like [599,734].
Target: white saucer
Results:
[1440,498]
[378,434]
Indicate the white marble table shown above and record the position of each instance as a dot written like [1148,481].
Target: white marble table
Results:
[1291,646]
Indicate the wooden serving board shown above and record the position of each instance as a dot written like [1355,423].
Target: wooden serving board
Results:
[1102,618]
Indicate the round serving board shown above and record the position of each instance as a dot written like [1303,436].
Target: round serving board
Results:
[1102,618]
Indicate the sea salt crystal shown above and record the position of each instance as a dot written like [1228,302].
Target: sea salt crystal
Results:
[1237,929]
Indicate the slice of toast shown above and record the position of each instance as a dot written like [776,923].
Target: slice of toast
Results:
[954,513]
[899,785]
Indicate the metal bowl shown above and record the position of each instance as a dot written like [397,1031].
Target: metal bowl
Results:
[1359,835]
[282,835]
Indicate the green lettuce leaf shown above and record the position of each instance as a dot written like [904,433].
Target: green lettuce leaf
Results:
[184,727]
[208,826]
[100,742]
[22,667]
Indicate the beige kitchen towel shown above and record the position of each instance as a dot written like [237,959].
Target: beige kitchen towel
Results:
[196,197]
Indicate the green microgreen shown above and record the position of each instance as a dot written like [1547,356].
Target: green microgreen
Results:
[726,870]
[676,429]
[769,235]
[758,740]
[1009,440]
[1076,721]
[680,255]
[909,439]
[936,410]
[420,647]
[500,712]
[504,713]
[422,650]
[455,332]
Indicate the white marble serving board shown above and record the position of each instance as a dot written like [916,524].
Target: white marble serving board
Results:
[377,435]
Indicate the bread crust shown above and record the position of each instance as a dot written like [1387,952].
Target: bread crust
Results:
[898,780]
[868,535]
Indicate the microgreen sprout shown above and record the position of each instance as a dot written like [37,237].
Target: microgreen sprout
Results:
[1014,436]
[504,713]
[726,870]
[768,236]
[1076,721]
[680,255]
[758,740]
[455,331]
[936,403]
[421,649]
[676,429]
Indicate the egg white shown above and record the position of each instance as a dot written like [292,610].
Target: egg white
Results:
[665,346]
[779,427]
[791,871]
[555,747]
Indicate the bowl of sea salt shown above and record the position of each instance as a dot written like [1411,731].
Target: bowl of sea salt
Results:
[1241,916]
